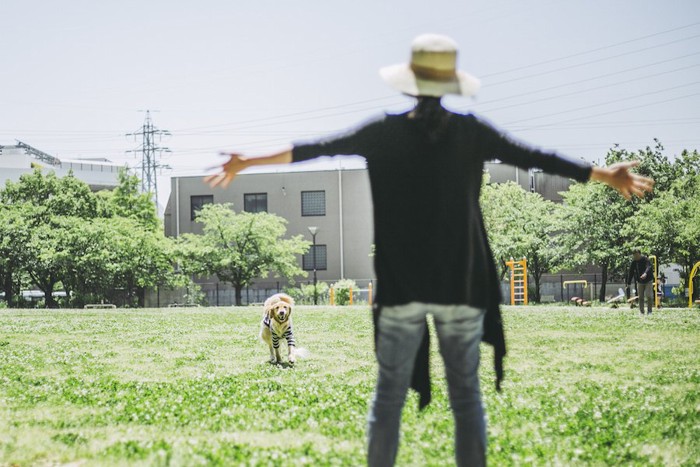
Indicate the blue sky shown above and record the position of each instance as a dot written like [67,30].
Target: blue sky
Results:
[575,76]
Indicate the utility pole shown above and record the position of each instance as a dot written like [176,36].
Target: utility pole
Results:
[150,153]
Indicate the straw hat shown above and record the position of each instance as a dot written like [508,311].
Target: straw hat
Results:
[432,71]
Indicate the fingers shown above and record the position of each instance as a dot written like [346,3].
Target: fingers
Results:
[637,191]
[646,181]
[222,179]
[227,172]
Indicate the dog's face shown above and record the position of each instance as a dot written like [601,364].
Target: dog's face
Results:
[281,311]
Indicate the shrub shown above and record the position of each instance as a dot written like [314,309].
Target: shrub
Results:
[342,291]
[193,295]
[304,294]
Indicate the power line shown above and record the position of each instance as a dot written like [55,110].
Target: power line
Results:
[586,52]
[648,104]
[577,65]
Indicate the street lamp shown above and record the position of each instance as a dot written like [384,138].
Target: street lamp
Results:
[314,231]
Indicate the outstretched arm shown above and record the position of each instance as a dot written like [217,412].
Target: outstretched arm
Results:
[619,177]
[238,162]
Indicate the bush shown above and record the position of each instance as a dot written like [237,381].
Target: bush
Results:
[193,295]
[342,291]
[304,294]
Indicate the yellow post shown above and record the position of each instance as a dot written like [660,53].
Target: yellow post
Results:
[690,284]
[510,265]
[370,293]
[523,263]
[350,295]
[656,280]
[332,296]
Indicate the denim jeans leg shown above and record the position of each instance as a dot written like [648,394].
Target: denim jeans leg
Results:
[459,330]
[399,336]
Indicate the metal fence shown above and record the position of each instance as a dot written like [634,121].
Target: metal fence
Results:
[553,288]
[223,294]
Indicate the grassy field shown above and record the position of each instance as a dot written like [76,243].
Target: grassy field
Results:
[192,387]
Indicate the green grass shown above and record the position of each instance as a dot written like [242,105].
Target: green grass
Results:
[192,387]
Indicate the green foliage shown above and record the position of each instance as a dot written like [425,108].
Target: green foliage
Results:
[99,247]
[194,294]
[127,201]
[241,247]
[519,223]
[342,290]
[669,225]
[158,387]
[304,294]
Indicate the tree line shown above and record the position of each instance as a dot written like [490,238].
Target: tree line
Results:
[597,226]
[108,246]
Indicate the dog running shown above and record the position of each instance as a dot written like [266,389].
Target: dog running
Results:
[276,325]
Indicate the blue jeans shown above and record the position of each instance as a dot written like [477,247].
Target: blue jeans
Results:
[459,329]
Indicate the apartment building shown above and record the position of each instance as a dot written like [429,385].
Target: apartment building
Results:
[336,202]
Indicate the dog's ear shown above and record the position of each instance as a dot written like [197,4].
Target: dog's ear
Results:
[287,299]
[270,304]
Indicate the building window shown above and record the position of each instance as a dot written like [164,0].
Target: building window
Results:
[307,261]
[313,203]
[198,202]
[255,202]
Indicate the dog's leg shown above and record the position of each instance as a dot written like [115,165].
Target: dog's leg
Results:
[266,337]
[274,355]
[275,346]
[277,356]
[291,345]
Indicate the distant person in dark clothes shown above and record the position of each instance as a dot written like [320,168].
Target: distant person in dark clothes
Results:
[432,254]
[643,274]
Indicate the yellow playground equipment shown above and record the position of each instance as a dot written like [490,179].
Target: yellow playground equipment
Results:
[518,281]
[579,300]
[656,281]
[693,272]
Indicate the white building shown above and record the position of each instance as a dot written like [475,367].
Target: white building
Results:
[21,158]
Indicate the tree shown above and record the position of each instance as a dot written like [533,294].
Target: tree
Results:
[600,227]
[519,223]
[14,235]
[45,202]
[127,201]
[240,247]
[669,225]
[591,225]
[92,244]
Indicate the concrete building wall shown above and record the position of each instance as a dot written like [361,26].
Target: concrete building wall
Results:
[346,228]
[501,173]
[550,186]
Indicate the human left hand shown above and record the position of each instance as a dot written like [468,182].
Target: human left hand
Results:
[623,180]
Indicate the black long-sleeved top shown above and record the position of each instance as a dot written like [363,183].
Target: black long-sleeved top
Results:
[639,267]
[431,245]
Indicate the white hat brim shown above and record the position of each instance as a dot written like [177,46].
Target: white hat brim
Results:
[402,78]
